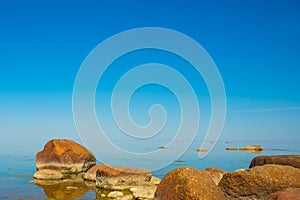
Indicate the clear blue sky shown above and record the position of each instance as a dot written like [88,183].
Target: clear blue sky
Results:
[255,44]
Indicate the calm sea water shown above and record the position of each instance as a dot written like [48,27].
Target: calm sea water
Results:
[16,170]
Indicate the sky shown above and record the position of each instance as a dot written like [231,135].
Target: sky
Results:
[255,45]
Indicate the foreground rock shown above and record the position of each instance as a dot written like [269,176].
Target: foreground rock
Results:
[121,177]
[258,182]
[291,160]
[187,183]
[64,156]
[286,194]
[215,174]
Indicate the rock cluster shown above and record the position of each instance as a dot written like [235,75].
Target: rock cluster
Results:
[67,170]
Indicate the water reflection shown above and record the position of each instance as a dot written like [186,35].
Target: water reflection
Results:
[66,189]
[252,151]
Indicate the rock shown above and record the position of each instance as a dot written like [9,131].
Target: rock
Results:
[115,194]
[154,180]
[286,194]
[232,148]
[291,160]
[187,183]
[258,182]
[47,174]
[252,147]
[91,173]
[65,156]
[216,174]
[121,177]
[161,147]
[143,192]
[201,150]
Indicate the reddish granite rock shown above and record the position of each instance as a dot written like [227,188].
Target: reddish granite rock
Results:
[291,160]
[187,183]
[216,174]
[65,156]
[120,177]
[286,194]
[260,181]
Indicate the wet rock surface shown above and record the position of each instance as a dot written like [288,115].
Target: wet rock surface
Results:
[260,181]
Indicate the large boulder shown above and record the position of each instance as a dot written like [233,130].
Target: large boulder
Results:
[121,177]
[286,194]
[258,182]
[187,183]
[65,156]
[291,160]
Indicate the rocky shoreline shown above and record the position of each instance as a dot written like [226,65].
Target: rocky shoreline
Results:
[67,170]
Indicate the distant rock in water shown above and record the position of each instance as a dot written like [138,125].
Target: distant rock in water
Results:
[253,147]
[187,183]
[259,182]
[232,148]
[291,160]
[64,156]
[161,147]
[201,150]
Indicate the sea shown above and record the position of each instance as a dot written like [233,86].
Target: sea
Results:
[17,169]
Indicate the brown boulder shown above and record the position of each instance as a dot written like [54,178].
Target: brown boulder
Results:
[121,177]
[65,156]
[187,183]
[215,173]
[291,160]
[260,181]
[286,194]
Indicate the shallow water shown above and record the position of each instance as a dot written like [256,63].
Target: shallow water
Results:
[16,170]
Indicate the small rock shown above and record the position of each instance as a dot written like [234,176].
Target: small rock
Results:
[252,147]
[143,192]
[201,150]
[47,174]
[115,194]
[154,180]
[161,147]
[232,148]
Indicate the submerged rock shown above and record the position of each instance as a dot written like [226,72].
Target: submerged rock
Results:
[47,174]
[187,183]
[65,156]
[291,160]
[258,182]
